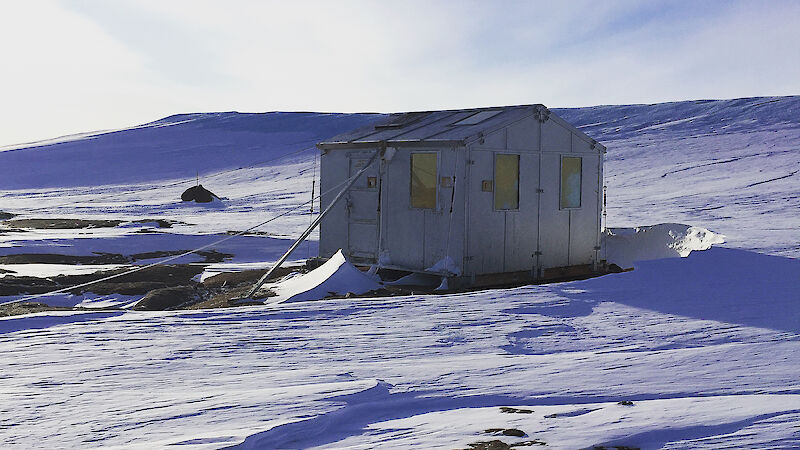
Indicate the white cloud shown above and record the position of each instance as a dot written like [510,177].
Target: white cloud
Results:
[75,66]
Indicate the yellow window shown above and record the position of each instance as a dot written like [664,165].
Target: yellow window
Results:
[506,181]
[570,182]
[423,180]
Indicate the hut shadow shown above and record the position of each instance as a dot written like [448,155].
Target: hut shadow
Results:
[721,284]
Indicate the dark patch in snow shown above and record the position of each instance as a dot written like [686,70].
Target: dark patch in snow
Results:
[61,224]
[510,410]
[772,179]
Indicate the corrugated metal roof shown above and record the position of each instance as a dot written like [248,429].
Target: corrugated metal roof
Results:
[447,127]
[444,127]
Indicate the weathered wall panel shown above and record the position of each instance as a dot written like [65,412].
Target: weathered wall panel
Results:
[553,222]
[524,135]
[521,225]
[486,227]
[555,138]
[583,222]
[334,166]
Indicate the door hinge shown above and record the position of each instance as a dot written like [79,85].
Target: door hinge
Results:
[539,190]
[469,258]
[537,253]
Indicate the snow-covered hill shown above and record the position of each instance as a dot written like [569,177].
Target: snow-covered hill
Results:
[727,165]
[701,351]
[174,148]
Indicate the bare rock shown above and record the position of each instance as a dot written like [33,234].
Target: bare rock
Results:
[168,298]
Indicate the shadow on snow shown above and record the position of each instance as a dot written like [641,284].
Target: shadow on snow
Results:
[720,284]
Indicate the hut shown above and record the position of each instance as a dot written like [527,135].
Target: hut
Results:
[482,196]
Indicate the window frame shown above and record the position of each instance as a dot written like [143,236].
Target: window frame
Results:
[561,183]
[411,180]
[495,184]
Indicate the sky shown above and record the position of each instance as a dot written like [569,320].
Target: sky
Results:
[73,66]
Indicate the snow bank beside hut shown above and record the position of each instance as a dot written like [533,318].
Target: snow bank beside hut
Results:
[624,246]
[336,277]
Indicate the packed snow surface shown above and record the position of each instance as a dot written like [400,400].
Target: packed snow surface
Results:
[702,351]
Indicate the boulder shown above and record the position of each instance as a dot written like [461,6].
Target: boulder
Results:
[167,298]
[198,194]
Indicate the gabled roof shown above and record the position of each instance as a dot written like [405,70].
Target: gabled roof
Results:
[441,128]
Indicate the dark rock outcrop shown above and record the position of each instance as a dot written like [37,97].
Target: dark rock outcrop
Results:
[167,298]
[198,194]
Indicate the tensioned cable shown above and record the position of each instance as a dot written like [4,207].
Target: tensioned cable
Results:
[172,258]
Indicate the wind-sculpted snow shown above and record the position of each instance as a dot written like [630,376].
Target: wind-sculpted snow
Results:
[720,346]
[624,246]
[689,118]
[702,351]
[336,277]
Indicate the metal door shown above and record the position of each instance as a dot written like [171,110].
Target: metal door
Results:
[486,226]
[362,212]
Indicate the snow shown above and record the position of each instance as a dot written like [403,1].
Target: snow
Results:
[706,346]
[50,270]
[640,425]
[445,265]
[337,276]
[623,246]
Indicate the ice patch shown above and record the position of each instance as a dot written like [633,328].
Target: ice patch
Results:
[624,246]
[336,277]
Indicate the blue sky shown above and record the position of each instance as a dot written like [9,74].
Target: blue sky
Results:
[72,66]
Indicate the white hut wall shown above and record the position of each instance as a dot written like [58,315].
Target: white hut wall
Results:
[568,223]
[333,228]
[416,237]
[352,224]
[584,222]
[502,237]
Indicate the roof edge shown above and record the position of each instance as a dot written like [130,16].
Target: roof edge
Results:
[390,143]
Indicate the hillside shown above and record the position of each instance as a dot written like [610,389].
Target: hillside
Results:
[727,165]
[695,352]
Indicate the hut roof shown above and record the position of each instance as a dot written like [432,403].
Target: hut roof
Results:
[441,128]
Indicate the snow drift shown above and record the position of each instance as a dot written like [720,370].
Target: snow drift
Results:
[624,246]
[336,277]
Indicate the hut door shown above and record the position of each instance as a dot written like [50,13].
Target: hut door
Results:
[362,212]
[486,243]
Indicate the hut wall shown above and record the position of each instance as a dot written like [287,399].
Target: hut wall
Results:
[417,238]
[503,240]
[481,236]
[567,235]
[352,224]
[333,228]
[509,240]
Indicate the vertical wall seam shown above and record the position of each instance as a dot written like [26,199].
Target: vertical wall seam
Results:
[539,204]
[569,236]
[505,238]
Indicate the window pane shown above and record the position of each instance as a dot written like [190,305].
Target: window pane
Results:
[506,182]
[423,180]
[570,182]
